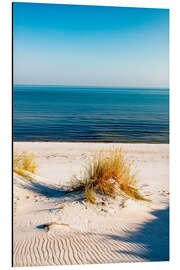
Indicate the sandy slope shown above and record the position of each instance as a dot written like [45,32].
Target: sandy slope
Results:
[103,234]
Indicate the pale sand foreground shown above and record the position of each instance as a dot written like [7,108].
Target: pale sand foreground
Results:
[94,234]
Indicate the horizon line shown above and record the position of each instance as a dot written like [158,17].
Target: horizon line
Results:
[89,86]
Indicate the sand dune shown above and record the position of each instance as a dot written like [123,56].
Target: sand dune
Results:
[83,233]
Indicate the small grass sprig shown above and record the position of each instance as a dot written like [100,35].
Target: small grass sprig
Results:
[24,162]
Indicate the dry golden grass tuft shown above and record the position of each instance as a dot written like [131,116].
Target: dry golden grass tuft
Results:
[110,173]
[23,163]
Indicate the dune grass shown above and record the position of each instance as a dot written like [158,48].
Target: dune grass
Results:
[110,173]
[24,163]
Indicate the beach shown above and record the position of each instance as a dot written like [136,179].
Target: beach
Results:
[54,227]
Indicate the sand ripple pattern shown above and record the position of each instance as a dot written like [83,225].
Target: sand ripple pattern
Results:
[118,244]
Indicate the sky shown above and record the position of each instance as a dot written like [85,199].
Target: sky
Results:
[75,45]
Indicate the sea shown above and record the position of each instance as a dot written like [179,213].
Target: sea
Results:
[90,114]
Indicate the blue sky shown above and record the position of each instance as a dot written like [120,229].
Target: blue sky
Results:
[90,45]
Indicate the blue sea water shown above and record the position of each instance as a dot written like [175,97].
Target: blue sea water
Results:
[56,113]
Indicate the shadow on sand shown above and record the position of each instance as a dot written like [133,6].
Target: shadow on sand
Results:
[152,237]
[46,190]
[40,187]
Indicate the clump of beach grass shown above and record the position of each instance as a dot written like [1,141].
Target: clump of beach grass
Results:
[109,173]
[24,163]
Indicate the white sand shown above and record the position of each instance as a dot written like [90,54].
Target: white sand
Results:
[94,234]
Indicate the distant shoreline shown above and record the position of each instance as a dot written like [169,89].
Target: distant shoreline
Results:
[91,142]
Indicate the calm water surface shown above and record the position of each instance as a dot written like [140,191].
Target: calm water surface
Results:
[49,113]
